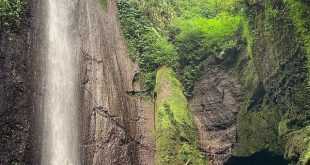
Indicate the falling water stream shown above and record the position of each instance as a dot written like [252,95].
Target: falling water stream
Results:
[60,129]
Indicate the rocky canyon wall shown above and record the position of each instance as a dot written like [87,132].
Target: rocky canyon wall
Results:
[111,128]
[16,90]
[115,128]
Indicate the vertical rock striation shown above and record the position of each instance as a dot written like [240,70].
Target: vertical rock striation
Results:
[215,105]
[108,113]
[16,102]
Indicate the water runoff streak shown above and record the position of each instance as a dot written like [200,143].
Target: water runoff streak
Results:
[60,129]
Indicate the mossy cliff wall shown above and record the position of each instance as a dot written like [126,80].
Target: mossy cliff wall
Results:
[176,134]
[268,53]
[275,113]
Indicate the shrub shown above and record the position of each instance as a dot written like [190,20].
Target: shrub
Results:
[200,38]
[146,45]
[10,14]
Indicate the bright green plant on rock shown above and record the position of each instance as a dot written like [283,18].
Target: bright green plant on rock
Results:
[201,37]
[159,12]
[147,46]
[182,34]
[298,142]
[271,66]
[11,12]
[176,134]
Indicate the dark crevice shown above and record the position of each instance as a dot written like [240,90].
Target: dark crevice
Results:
[259,158]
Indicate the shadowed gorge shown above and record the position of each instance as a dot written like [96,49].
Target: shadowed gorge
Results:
[154,82]
[262,157]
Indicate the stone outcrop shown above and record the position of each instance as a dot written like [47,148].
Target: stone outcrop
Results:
[215,105]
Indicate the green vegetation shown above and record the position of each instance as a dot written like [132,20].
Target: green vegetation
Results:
[104,3]
[145,44]
[176,135]
[270,43]
[159,12]
[179,34]
[200,38]
[258,130]
[297,142]
[11,12]
[299,12]
[247,36]
[276,119]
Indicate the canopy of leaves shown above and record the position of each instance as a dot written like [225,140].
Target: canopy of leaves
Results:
[181,34]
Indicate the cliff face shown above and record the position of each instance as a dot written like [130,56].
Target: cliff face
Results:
[256,101]
[271,113]
[274,114]
[115,128]
[107,112]
[215,105]
[109,115]
[16,106]
[15,96]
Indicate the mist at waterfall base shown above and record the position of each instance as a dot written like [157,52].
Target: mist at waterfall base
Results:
[60,128]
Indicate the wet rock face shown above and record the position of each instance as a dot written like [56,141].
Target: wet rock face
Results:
[15,103]
[109,134]
[15,95]
[215,105]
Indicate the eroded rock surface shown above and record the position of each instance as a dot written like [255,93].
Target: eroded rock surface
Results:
[16,103]
[112,121]
[215,104]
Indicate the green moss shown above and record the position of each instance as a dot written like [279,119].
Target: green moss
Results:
[104,3]
[249,77]
[297,142]
[299,12]
[202,37]
[176,134]
[305,159]
[258,130]
[247,36]
[278,64]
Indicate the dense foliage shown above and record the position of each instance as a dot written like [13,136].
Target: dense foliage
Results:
[200,38]
[11,12]
[145,44]
[272,65]
[180,34]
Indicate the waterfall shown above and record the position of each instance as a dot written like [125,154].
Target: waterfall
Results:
[60,130]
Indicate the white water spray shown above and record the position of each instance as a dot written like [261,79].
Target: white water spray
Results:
[60,130]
